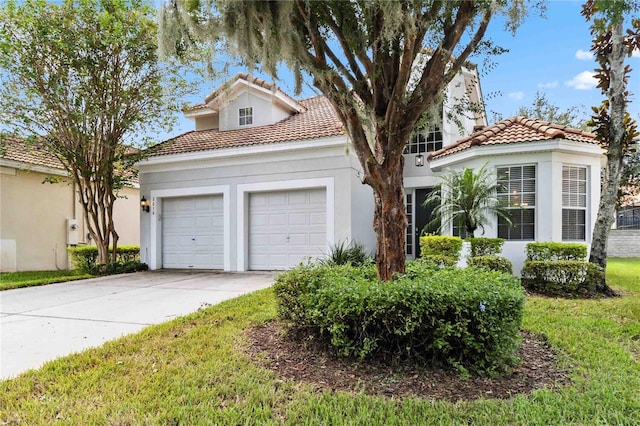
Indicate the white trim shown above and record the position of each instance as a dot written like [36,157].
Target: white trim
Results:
[557,145]
[269,148]
[156,197]
[243,191]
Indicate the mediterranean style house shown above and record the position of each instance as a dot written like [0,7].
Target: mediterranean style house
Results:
[266,181]
[38,219]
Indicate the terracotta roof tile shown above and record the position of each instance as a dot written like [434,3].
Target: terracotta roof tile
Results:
[17,149]
[319,120]
[515,130]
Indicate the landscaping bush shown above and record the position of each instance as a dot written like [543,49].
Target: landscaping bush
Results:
[559,269]
[485,246]
[343,253]
[440,245]
[491,263]
[465,319]
[566,278]
[439,260]
[556,251]
[85,259]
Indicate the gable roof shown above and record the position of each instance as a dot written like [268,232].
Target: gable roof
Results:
[319,120]
[513,131]
[19,150]
[221,93]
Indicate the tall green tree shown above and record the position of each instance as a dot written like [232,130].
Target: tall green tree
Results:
[612,123]
[78,77]
[382,64]
[467,198]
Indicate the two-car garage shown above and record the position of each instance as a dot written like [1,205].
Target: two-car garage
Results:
[282,227]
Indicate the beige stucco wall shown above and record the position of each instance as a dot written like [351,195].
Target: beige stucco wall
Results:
[33,220]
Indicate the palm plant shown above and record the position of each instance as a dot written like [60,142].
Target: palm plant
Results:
[468,198]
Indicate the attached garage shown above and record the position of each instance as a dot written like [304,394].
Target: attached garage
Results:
[193,232]
[286,227]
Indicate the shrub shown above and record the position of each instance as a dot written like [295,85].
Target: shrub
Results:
[440,245]
[491,263]
[440,261]
[294,288]
[568,278]
[465,319]
[556,251]
[342,254]
[85,259]
[485,246]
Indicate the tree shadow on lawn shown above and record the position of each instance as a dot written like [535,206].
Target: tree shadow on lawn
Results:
[312,362]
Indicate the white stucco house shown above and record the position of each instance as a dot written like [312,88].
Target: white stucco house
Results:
[265,181]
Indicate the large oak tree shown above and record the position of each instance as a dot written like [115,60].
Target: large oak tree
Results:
[382,64]
[78,77]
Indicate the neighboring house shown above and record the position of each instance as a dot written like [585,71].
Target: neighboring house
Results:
[39,220]
[266,181]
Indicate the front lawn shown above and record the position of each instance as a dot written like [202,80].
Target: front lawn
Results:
[195,370]
[10,280]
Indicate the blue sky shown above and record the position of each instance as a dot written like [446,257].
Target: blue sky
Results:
[550,54]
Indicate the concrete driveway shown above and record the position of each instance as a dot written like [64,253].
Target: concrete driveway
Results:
[38,324]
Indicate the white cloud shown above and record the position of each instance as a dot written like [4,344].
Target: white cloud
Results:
[584,55]
[635,54]
[549,85]
[583,81]
[516,96]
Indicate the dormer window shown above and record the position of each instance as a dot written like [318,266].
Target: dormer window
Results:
[245,116]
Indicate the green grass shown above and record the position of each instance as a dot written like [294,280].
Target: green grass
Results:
[193,370]
[10,280]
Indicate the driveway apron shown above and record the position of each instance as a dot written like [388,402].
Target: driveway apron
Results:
[38,324]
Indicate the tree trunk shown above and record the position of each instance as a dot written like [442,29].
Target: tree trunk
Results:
[615,153]
[390,219]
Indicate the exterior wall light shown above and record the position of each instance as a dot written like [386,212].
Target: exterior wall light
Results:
[419,160]
[144,204]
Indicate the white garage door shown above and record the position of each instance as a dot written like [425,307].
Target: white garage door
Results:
[192,232]
[286,227]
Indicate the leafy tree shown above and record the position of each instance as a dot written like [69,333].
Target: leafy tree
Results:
[468,198]
[77,77]
[382,64]
[612,123]
[543,109]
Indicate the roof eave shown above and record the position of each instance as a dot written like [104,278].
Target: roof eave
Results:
[479,151]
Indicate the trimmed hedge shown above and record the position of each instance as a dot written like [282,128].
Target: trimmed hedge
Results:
[85,259]
[559,269]
[491,263]
[465,319]
[481,246]
[562,277]
[556,251]
[441,246]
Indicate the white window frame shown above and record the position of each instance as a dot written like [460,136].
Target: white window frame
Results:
[512,205]
[409,240]
[245,116]
[425,140]
[576,204]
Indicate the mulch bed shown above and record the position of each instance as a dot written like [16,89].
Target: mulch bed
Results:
[312,362]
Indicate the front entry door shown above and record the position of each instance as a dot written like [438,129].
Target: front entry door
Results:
[423,216]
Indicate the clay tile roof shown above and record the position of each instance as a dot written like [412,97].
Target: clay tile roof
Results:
[515,130]
[17,149]
[319,120]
